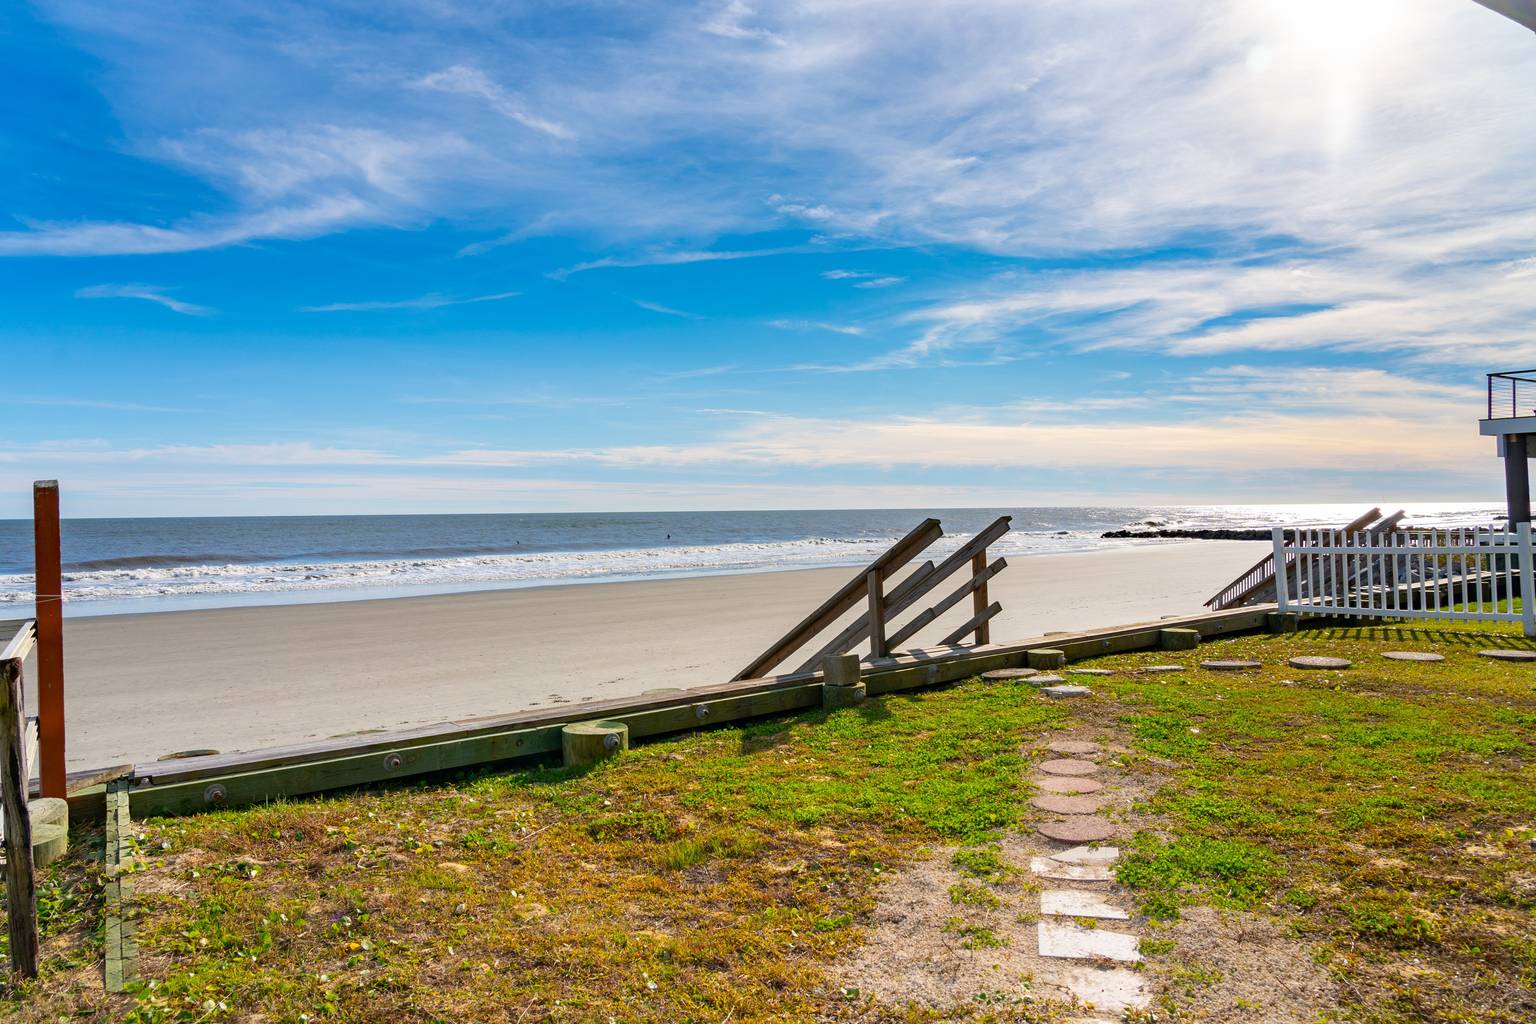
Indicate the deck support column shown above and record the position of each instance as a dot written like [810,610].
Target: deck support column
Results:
[1517,478]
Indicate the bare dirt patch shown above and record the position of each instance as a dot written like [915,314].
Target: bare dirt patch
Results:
[1228,966]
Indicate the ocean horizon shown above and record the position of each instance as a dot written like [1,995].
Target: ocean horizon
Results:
[169,563]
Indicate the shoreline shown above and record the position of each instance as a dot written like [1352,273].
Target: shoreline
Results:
[146,684]
[110,606]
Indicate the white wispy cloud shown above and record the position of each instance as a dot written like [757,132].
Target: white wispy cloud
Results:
[420,302]
[656,307]
[816,325]
[674,258]
[731,22]
[146,292]
[471,81]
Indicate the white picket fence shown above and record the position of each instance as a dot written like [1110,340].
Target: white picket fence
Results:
[1470,574]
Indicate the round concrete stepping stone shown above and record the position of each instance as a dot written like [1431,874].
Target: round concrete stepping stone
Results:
[1067,766]
[1077,830]
[1059,804]
[1161,668]
[1412,656]
[1231,666]
[1000,675]
[1314,661]
[1509,654]
[1090,672]
[1072,747]
[1068,784]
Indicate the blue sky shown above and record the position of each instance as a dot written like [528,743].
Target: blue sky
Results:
[347,257]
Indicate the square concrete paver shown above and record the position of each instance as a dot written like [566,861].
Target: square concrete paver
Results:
[1062,939]
[1109,989]
[1097,855]
[1045,867]
[1077,903]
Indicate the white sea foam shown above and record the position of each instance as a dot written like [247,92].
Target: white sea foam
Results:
[143,582]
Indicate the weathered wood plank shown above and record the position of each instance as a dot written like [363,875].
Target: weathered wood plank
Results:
[179,787]
[973,623]
[909,596]
[858,630]
[898,555]
[874,586]
[975,585]
[20,885]
[20,643]
[979,600]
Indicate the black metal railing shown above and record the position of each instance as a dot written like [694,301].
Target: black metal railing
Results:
[1511,394]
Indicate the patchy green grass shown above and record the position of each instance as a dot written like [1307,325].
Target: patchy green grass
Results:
[1387,810]
[706,878]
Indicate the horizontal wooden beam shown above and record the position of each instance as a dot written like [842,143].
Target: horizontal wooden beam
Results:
[187,785]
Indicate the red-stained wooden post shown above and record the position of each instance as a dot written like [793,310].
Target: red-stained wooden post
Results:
[48,593]
[979,599]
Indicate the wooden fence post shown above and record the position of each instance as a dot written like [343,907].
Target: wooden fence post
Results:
[876,614]
[1282,571]
[1527,582]
[979,600]
[48,593]
[20,886]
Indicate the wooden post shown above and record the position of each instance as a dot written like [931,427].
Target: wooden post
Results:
[20,887]
[48,593]
[876,590]
[979,600]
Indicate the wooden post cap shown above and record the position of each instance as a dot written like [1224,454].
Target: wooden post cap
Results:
[841,670]
[584,743]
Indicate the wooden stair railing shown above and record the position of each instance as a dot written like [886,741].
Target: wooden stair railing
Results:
[883,605]
[1262,574]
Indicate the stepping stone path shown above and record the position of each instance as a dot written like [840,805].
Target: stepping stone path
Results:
[1090,672]
[1080,829]
[1072,747]
[1161,668]
[1065,939]
[1068,766]
[1046,680]
[1064,692]
[1412,656]
[1085,953]
[999,675]
[1066,784]
[1321,662]
[1509,654]
[1077,903]
[1058,803]
[1231,666]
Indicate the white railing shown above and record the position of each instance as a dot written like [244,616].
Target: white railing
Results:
[1475,573]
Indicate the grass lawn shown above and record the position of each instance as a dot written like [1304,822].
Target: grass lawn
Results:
[1384,815]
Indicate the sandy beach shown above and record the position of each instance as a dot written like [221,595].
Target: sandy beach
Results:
[144,685]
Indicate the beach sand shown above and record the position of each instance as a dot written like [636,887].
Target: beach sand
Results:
[140,686]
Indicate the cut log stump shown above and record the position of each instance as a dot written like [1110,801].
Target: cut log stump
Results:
[1046,657]
[1178,639]
[585,743]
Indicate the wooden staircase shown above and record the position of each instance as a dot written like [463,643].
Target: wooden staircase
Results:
[1257,585]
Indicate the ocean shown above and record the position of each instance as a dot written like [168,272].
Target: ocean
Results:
[134,565]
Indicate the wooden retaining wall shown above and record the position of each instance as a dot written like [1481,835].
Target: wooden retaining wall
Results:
[228,780]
